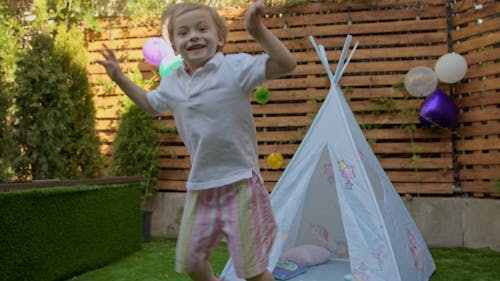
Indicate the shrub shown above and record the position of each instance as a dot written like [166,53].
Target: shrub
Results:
[54,111]
[135,150]
[54,233]
[10,31]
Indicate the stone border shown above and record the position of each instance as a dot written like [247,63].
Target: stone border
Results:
[442,221]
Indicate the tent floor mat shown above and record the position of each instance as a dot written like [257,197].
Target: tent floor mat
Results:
[331,271]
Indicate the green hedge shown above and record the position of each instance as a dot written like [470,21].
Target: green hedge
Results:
[57,232]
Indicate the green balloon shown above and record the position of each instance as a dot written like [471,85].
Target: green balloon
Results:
[165,69]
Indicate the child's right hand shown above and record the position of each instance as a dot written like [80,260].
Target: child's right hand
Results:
[110,62]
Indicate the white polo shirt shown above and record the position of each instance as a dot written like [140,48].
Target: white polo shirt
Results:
[213,116]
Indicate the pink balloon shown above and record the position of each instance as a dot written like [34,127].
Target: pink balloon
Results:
[155,49]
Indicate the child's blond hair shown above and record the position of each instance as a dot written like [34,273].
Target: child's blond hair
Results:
[175,10]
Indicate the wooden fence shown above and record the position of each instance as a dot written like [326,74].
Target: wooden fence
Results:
[394,36]
[476,36]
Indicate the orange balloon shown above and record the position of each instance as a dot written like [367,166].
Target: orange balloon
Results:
[275,160]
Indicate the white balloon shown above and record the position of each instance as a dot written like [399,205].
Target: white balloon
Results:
[451,68]
[421,81]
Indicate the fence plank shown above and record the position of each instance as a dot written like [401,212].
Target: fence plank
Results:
[477,43]
[472,30]
[479,186]
[466,12]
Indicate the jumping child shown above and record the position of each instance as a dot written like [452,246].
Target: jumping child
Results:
[210,99]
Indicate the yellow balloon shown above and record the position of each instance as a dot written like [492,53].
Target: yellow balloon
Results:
[275,160]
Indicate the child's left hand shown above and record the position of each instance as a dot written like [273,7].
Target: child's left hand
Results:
[280,61]
[253,17]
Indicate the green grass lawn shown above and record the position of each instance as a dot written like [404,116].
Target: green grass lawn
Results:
[155,262]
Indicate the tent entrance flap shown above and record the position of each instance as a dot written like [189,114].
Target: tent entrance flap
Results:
[320,223]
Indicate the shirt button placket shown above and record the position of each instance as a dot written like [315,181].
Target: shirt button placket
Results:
[190,81]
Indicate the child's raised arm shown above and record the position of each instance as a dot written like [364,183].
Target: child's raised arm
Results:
[281,61]
[134,92]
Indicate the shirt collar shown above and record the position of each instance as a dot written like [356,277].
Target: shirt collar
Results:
[213,63]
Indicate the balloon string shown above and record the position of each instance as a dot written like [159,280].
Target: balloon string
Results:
[439,126]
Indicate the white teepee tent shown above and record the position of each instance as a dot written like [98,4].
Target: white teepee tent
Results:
[335,194]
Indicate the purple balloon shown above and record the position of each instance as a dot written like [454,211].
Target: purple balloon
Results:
[439,109]
[155,49]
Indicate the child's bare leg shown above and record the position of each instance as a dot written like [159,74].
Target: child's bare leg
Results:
[265,276]
[203,273]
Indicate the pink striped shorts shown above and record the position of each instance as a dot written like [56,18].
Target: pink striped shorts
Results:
[240,212]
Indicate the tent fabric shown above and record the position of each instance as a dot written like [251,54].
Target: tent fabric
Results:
[335,194]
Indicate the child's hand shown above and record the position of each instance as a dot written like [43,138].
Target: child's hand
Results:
[110,62]
[280,61]
[253,17]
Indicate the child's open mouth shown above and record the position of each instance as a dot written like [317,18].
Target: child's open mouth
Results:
[195,47]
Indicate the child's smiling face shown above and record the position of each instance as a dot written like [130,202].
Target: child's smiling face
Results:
[196,38]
